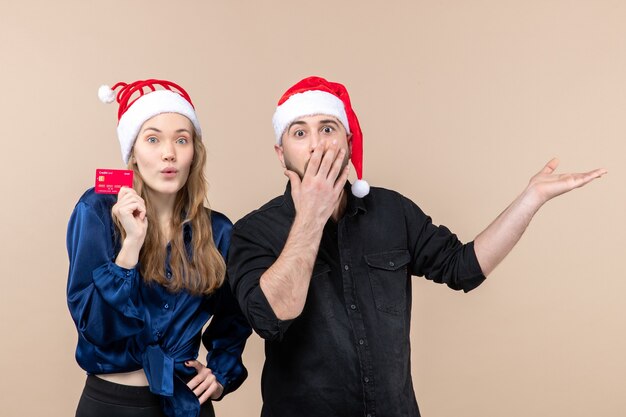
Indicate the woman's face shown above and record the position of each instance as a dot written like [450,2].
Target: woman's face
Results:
[163,152]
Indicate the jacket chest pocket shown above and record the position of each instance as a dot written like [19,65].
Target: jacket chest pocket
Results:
[388,276]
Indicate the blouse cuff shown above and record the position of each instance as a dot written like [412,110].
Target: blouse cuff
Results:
[228,370]
[118,287]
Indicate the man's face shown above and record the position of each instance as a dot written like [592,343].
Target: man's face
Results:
[304,134]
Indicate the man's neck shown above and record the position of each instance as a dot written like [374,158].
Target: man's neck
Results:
[340,207]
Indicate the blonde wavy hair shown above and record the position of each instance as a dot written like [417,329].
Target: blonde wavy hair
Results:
[200,272]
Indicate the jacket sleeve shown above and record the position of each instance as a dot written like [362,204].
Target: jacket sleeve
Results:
[437,253]
[247,262]
[103,298]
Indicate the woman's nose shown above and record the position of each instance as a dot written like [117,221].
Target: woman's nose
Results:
[168,153]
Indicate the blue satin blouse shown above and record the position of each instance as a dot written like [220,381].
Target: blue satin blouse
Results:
[124,324]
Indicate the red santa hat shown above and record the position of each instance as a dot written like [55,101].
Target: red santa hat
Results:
[312,96]
[140,101]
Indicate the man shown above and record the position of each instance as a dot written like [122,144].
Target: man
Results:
[323,274]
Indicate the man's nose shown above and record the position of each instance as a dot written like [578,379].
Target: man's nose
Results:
[315,139]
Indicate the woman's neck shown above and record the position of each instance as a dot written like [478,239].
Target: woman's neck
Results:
[163,206]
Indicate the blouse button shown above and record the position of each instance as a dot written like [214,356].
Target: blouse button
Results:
[353,307]
[391,264]
[346,267]
[169,275]
[166,306]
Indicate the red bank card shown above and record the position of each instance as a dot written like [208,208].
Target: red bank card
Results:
[109,181]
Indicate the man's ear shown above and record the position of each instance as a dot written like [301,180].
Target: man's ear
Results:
[279,153]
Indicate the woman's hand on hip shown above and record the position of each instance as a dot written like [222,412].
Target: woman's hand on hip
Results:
[204,385]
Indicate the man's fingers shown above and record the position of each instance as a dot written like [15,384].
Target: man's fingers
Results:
[335,170]
[597,173]
[316,159]
[294,179]
[587,177]
[550,166]
[341,180]
[327,160]
[578,179]
[569,181]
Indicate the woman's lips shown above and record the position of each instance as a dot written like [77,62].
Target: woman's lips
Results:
[169,172]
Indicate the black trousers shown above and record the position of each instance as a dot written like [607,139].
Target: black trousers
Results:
[102,398]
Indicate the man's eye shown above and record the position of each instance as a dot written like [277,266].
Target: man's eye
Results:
[328,129]
[299,133]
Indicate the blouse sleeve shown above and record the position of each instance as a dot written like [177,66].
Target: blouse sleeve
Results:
[226,335]
[102,297]
[225,339]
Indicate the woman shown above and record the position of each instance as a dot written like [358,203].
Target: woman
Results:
[147,268]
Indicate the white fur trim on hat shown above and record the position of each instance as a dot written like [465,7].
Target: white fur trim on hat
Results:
[308,103]
[146,107]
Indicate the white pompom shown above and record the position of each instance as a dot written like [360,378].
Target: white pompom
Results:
[105,94]
[360,188]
